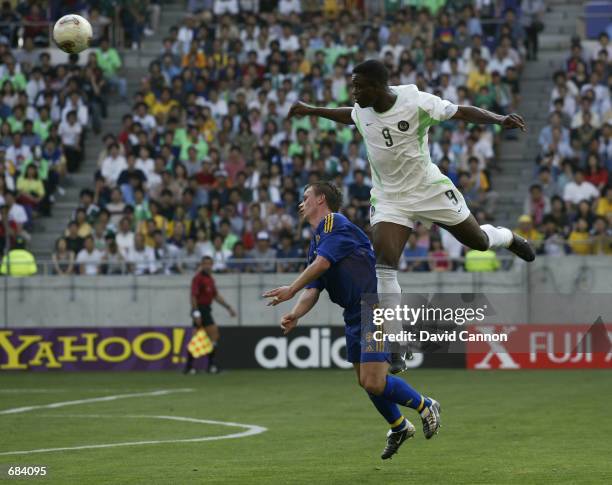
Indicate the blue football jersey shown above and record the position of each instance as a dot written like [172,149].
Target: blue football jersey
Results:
[353,265]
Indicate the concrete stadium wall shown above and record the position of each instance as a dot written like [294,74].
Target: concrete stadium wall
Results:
[107,301]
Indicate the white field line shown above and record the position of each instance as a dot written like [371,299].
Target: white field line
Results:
[250,430]
[55,405]
[38,390]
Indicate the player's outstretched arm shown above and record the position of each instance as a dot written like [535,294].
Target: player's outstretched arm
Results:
[339,115]
[283,293]
[472,114]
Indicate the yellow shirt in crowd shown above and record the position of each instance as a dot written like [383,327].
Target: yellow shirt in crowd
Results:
[580,242]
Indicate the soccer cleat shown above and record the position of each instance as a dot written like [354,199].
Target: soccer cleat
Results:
[521,247]
[430,416]
[213,369]
[398,363]
[395,439]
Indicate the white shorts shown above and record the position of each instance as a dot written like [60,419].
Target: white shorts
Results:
[438,202]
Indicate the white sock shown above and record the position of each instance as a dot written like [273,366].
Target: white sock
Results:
[389,295]
[499,237]
[387,280]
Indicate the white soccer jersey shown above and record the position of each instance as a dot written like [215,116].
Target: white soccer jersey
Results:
[397,141]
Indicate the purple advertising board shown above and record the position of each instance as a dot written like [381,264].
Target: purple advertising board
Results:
[70,349]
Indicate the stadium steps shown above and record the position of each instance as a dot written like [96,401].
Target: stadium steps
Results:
[517,157]
[45,231]
[172,14]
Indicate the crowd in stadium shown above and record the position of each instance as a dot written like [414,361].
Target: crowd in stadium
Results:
[569,206]
[206,162]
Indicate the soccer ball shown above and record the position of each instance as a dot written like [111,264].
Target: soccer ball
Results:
[72,33]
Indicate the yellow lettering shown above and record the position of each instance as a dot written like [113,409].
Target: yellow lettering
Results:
[70,347]
[138,341]
[13,353]
[101,349]
[45,351]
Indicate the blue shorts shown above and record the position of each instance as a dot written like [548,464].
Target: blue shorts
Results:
[366,349]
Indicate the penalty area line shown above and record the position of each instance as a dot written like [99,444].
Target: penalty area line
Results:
[251,429]
[114,397]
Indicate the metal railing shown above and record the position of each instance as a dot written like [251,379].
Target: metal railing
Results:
[174,266]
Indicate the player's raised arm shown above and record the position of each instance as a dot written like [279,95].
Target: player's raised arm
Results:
[472,114]
[283,293]
[339,115]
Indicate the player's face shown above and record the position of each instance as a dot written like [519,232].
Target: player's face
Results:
[362,91]
[308,206]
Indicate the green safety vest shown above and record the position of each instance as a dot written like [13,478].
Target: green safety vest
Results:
[22,263]
[481,261]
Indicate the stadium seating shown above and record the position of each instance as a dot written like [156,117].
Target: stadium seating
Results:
[203,160]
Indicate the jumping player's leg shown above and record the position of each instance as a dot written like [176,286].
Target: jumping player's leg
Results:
[389,240]
[371,375]
[371,368]
[484,237]
[387,390]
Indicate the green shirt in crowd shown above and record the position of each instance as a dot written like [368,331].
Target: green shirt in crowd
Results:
[109,61]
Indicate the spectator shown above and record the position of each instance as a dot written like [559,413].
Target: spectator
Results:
[16,213]
[604,203]
[595,173]
[579,189]
[112,259]
[63,258]
[71,132]
[89,258]
[536,204]
[31,191]
[579,238]
[219,254]
[532,13]
[74,242]
[548,187]
[161,254]
[554,241]
[287,250]
[527,230]
[189,257]
[414,256]
[601,237]
[141,259]
[84,228]
[236,262]
[359,193]
[438,257]
[263,255]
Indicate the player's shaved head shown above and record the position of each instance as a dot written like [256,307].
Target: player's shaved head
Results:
[373,71]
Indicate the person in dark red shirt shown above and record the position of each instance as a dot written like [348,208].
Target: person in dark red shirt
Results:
[203,292]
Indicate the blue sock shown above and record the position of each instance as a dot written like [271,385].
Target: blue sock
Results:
[389,411]
[399,392]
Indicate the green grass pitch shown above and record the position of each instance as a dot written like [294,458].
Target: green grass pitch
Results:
[497,427]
